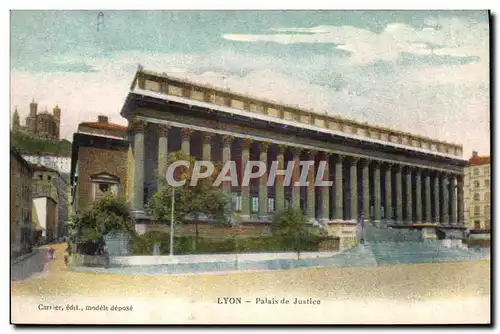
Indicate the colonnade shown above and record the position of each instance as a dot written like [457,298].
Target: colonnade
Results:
[404,194]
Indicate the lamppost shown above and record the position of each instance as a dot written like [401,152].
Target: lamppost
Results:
[172,223]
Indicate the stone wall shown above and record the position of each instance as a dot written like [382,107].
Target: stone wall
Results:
[214,232]
[92,161]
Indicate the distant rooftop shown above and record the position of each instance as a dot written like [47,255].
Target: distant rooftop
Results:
[478,160]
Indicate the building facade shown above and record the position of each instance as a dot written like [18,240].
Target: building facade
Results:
[51,190]
[60,163]
[377,173]
[478,193]
[43,125]
[21,228]
[99,162]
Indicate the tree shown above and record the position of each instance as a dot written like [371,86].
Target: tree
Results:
[290,224]
[106,215]
[191,202]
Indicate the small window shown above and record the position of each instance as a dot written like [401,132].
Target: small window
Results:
[477,224]
[104,187]
[487,183]
[486,170]
[476,171]
[40,177]
[487,210]
[49,177]
[487,197]
[476,184]
[477,210]
[477,197]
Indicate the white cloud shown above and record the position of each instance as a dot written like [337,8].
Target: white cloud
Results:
[448,102]
[454,38]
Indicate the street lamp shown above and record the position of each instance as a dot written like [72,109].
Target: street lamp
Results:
[172,223]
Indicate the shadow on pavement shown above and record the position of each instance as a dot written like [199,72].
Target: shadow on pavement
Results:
[30,266]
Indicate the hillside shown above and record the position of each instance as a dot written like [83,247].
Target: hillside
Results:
[27,145]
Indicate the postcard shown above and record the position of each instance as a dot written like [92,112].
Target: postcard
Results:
[250,167]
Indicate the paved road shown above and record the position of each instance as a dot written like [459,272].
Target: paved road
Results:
[33,266]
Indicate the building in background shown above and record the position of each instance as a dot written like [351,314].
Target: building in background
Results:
[61,163]
[42,125]
[21,228]
[99,161]
[51,202]
[478,192]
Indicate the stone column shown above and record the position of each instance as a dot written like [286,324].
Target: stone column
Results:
[162,151]
[263,200]
[295,178]
[311,195]
[388,193]
[353,186]
[409,201]
[418,195]
[366,189]
[446,200]
[460,204]
[245,190]
[339,200]
[138,127]
[437,197]
[325,190]
[453,189]
[186,141]
[206,139]
[399,195]
[226,157]
[279,188]
[376,191]
[428,209]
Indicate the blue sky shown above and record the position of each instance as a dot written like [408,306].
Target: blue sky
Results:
[425,72]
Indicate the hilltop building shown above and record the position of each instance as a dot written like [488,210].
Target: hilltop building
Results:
[478,193]
[42,125]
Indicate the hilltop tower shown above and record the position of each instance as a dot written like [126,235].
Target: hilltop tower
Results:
[43,127]
[16,124]
[31,121]
[57,122]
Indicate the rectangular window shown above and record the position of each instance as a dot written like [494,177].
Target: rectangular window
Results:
[476,171]
[477,225]
[487,183]
[255,204]
[477,210]
[236,202]
[270,204]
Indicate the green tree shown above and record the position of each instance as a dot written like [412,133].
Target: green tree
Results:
[191,202]
[106,215]
[290,225]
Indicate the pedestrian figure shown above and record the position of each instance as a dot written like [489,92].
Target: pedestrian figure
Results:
[51,253]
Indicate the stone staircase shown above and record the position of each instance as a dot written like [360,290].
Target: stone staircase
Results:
[382,233]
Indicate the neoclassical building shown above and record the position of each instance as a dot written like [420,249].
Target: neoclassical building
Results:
[378,173]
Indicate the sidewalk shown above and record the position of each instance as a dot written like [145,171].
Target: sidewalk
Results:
[30,265]
[23,257]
